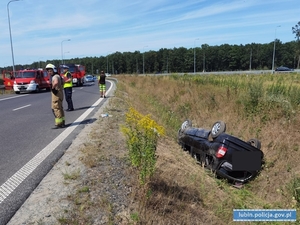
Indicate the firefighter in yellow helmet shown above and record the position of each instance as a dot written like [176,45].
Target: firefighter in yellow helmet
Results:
[57,96]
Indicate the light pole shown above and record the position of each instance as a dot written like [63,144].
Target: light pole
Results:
[144,59]
[107,61]
[11,44]
[65,55]
[250,64]
[195,56]
[62,55]
[274,50]
[40,59]
[203,61]
[203,49]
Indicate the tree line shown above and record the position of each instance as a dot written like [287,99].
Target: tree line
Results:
[206,58]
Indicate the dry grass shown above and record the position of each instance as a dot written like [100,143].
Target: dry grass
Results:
[181,191]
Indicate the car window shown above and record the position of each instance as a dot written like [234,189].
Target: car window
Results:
[26,74]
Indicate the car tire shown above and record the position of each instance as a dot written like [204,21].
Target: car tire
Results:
[255,143]
[218,128]
[186,124]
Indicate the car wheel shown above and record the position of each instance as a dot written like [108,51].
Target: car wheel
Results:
[37,89]
[255,143]
[186,124]
[218,128]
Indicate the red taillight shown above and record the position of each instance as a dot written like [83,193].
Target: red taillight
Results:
[221,151]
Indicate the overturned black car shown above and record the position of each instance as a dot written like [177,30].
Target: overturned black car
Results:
[228,156]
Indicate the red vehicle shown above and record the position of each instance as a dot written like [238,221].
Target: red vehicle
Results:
[77,71]
[8,79]
[31,80]
[81,69]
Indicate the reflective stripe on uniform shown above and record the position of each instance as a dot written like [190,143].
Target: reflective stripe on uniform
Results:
[68,84]
[59,120]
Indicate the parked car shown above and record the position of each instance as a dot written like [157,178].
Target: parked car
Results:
[107,74]
[88,78]
[283,68]
[227,156]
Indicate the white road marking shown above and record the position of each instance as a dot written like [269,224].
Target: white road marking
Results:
[22,107]
[15,180]
[18,96]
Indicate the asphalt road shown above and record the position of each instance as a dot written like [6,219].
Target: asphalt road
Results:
[29,147]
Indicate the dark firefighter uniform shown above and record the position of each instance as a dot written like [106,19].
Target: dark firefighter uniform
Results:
[68,88]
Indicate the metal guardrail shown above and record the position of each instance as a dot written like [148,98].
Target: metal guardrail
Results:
[232,72]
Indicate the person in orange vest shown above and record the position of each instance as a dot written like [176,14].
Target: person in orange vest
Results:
[68,87]
[57,96]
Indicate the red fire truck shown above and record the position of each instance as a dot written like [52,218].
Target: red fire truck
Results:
[30,80]
[8,79]
[77,71]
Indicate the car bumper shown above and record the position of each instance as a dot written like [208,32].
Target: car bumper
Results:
[25,87]
[225,171]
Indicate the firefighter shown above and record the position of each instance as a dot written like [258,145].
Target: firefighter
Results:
[68,87]
[57,96]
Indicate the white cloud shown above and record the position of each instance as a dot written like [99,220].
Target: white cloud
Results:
[97,27]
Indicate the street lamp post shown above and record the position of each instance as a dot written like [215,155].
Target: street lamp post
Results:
[203,61]
[195,56]
[274,50]
[144,60]
[107,61]
[250,64]
[11,44]
[203,49]
[62,55]
[65,55]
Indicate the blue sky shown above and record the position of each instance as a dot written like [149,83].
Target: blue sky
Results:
[96,28]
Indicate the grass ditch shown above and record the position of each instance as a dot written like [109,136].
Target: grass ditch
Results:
[179,190]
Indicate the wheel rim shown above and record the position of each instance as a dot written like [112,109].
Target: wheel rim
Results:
[215,128]
[184,125]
